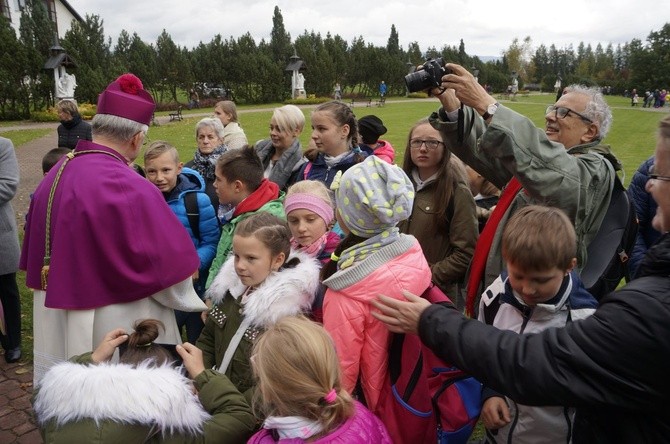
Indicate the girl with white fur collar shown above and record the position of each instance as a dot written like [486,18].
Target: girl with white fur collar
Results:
[262,281]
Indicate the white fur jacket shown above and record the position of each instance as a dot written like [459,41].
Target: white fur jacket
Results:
[121,403]
[286,292]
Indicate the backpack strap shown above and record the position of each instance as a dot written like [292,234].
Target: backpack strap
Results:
[193,213]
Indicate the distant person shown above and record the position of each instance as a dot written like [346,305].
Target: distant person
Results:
[233,134]
[539,290]
[102,248]
[338,92]
[179,186]
[10,337]
[72,128]
[209,137]
[370,129]
[52,157]
[281,153]
[300,392]
[143,398]
[612,366]
[382,89]
[193,99]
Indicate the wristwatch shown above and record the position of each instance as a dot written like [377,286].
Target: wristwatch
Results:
[490,111]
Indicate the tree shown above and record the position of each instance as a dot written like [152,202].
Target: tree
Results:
[37,35]
[172,68]
[13,90]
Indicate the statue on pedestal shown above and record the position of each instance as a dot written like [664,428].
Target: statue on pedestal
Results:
[65,86]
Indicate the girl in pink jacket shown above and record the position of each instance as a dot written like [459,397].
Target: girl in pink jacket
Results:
[374,258]
[300,392]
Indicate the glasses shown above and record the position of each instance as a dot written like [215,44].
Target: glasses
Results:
[562,112]
[431,145]
[654,176]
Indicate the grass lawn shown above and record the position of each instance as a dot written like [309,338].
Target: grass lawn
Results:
[632,138]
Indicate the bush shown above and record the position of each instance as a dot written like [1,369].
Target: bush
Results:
[87,110]
[44,116]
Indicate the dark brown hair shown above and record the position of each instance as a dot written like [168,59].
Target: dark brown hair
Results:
[242,164]
[272,231]
[141,347]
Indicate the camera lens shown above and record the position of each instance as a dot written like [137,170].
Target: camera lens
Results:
[419,81]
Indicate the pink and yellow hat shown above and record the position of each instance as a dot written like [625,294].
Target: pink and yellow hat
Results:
[125,97]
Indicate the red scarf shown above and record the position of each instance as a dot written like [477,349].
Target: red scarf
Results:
[266,192]
[484,244]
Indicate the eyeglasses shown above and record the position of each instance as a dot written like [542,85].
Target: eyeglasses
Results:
[562,112]
[431,145]
[656,176]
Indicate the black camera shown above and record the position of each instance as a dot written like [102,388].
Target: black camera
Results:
[428,77]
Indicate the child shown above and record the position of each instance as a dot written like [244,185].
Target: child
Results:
[178,184]
[539,290]
[52,157]
[333,129]
[299,390]
[373,258]
[242,191]
[261,283]
[369,129]
[443,216]
[143,398]
[309,212]
[233,134]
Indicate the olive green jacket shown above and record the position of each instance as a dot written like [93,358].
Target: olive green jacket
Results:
[78,402]
[579,180]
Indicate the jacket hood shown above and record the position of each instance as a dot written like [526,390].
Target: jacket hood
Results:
[287,292]
[153,396]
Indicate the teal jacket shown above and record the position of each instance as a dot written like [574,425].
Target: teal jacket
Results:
[77,402]
[579,180]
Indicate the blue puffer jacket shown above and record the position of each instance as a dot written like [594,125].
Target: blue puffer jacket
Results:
[645,208]
[190,181]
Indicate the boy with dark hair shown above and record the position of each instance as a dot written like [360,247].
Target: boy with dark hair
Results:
[52,157]
[539,290]
[184,191]
[243,191]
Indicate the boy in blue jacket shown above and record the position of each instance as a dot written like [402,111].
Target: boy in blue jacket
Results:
[184,191]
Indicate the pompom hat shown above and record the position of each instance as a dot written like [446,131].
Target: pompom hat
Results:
[125,97]
[374,196]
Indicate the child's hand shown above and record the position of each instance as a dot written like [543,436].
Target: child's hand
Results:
[196,275]
[204,314]
[495,413]
[105,350]
[192,357]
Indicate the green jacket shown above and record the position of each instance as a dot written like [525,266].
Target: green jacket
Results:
[579,180]
[118,403]
[449,247]
[275,207]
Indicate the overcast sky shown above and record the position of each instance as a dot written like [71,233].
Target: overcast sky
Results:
[486,26]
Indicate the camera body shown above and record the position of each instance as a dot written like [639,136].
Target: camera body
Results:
[428,77]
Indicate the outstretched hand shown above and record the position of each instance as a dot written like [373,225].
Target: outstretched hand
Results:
[400,316]
[108,345]
[192,357]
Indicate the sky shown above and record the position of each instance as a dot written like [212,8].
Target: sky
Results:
[487,27]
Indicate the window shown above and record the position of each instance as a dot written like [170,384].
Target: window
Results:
[4,10]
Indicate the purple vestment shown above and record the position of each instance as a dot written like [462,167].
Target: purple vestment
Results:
[113,237]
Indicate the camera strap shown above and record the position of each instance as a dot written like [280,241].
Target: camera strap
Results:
[460,125]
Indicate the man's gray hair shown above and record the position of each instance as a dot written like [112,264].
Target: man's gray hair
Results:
[118,129]
[211,122]
[597,109]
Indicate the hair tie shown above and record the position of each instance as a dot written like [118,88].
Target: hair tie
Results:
[334,257]
[148,344]
[357,150]
[330,397]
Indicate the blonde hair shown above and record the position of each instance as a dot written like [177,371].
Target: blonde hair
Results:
[539,238]
[158,148]
[313,187]
[68,106]
[296,366]
[228,107]
[289,118]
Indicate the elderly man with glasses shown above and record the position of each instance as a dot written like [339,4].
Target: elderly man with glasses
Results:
[565,165]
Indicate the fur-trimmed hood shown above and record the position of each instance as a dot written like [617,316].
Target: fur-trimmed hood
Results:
[286,292]
[159,397]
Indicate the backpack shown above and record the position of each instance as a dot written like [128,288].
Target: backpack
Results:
[424,399]
[608,252]
[193,213]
